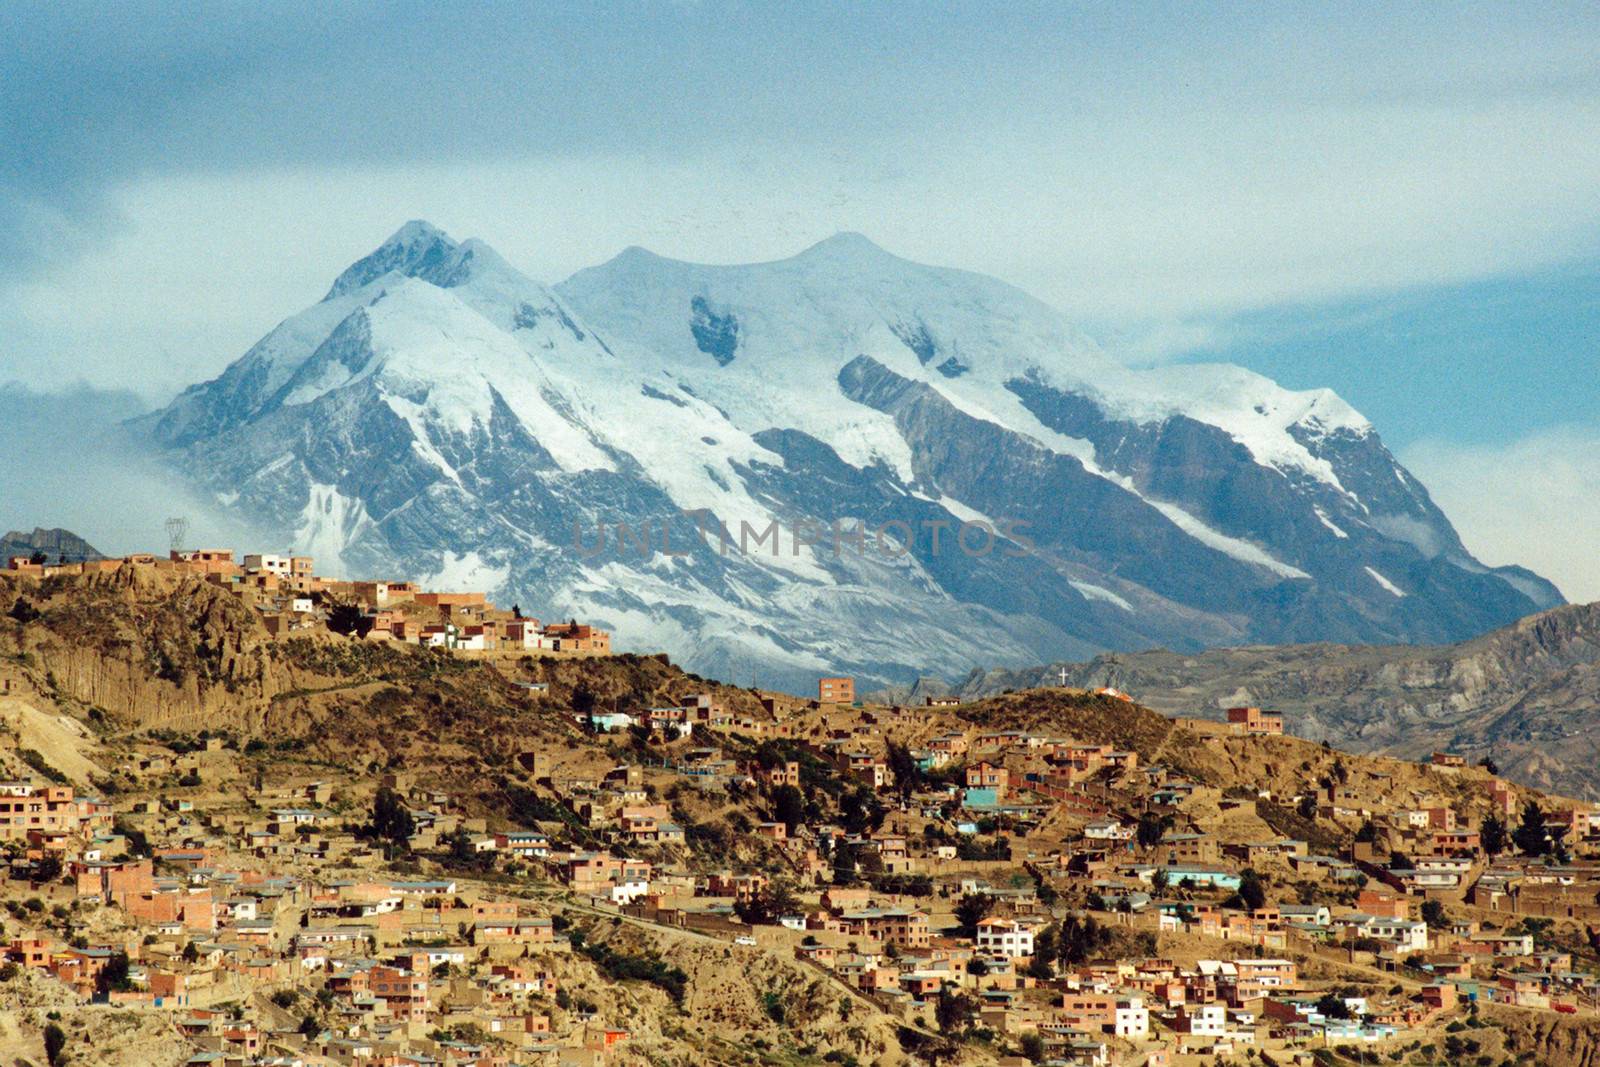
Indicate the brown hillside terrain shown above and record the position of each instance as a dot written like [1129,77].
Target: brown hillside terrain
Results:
[1528,694]
[148,652]
[1205,751]
[115,677]
[151,651]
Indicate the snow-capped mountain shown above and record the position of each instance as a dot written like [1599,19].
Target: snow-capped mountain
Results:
[1024,498]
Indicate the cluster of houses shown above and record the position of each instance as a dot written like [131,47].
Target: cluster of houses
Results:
[213,907]
[291,598]
[893,939]
[986,852]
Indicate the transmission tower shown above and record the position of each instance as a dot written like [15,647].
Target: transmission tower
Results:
[177,532]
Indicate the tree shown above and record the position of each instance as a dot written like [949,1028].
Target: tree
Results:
[138,843]
[1032,1046]
[860,811]
[583,701]
[846,861]
[1488,764]
[309,1027]
[1433,914]
[1251,892]
[788,807]
[191,953]
[1368,832]
[1043,964]
[954,1012]
[23,611]
[346,619]
[47,868]
[1151,829]
[113,976]
[903,765]
[1079,939]
[1333,1007]
[1159,880]
[641,733]
[1531,836]
[55,1040]
[971,910]
[391,819]
[769,905]
[1492,836]
[462,853]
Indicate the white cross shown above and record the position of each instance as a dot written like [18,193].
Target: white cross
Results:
[1063,676]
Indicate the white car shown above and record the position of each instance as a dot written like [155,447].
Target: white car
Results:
[744,939]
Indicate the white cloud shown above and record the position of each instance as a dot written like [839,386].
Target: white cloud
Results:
[1535,501]
[1234,212]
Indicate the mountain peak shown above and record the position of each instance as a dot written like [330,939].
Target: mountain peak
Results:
[415,232]
[846,245]
[417,249]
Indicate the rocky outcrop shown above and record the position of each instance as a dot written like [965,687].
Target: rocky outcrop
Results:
[155,651]
[55,545]
[1546,1038]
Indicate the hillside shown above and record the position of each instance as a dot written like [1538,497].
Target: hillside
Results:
[267,760]
[148,650]
[134,650]
[1527,695]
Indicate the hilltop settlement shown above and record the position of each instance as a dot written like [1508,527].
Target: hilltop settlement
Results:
[254,817]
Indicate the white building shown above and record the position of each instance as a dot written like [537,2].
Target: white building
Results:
[1407,935]
[268,564]
[1209,1020]
[628,892]
[1132,1018]
[1003,937]
[1107,830]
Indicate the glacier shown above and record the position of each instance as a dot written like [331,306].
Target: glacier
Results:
[439,415]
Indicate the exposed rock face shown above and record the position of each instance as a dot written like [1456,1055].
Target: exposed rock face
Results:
[1528,695]
[578,450]
[56,545]
[158,652]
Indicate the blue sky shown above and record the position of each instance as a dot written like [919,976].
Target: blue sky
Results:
[1395,201]
[1487,361]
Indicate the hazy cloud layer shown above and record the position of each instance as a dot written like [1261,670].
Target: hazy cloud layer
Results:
[71,467]
[1535,502]
[175,181]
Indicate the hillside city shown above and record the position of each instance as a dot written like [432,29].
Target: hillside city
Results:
[599,859]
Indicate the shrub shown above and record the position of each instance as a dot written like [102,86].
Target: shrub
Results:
[619,966]
[55,1040]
